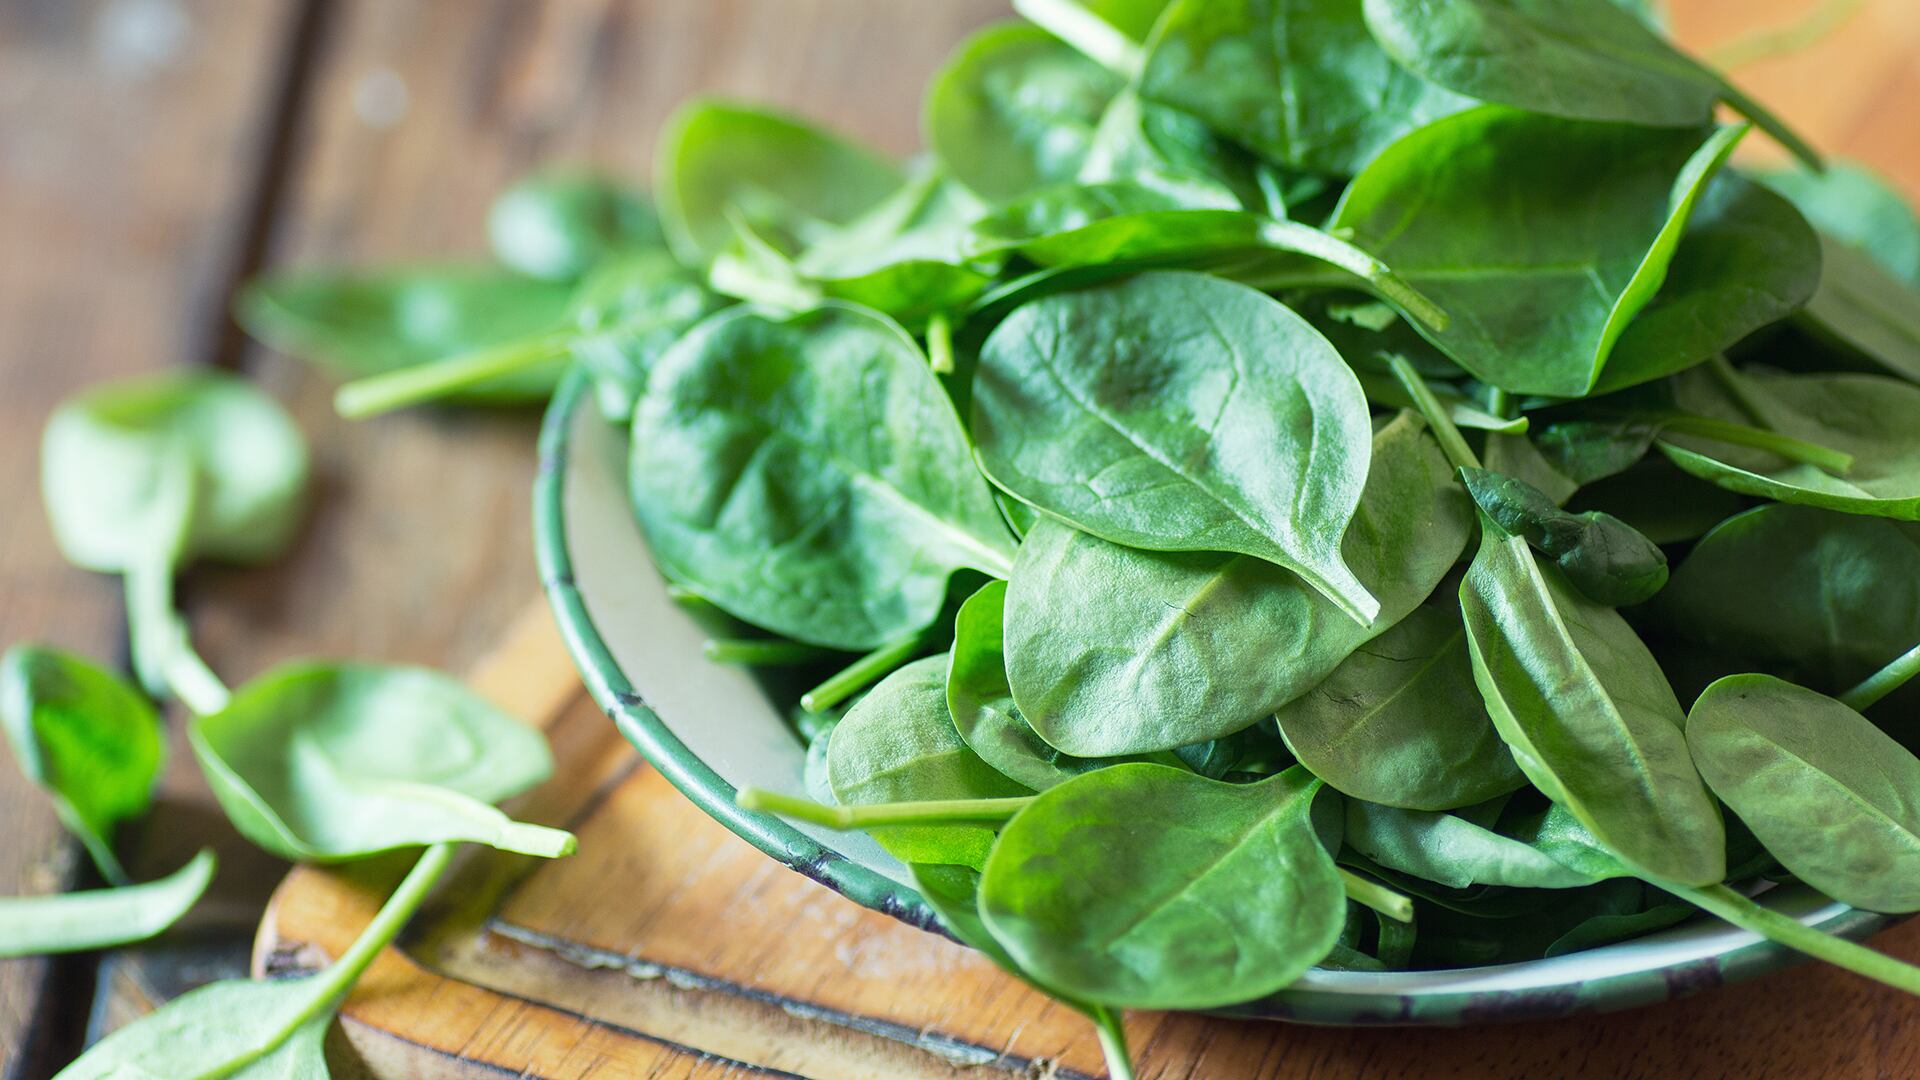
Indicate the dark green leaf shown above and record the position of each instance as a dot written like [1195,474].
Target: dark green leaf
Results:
[1600,555]
[1455,852]
[1858,208]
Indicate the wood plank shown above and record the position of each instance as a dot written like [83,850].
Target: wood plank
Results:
[129,139]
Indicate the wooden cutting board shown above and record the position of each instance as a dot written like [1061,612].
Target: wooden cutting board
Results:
[668,947]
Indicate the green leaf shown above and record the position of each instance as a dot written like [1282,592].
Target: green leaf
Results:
[1228,896]
[1113,650]
[1015,109]
[101,918]
[107,452]
[1600,555]
[1543,238]
[92,742]
[788,180]
[1874,420]
[1588,714]
[1454,852]
[1662,503]
[1821,598]
[1299,81]
[327,763]
[557,226]
[1180,412]
[898,744]
[1157,147]
[1401,723]
[1858,208]
[1864,309]
[356,324]
[906,256]
[809,475]
[1579,59]
[1831,796]
[628,312]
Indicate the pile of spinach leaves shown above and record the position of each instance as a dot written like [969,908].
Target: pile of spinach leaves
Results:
[1273,474]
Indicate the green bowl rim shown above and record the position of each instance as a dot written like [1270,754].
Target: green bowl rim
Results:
[713,794]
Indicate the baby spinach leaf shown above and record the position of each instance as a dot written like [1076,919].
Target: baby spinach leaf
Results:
[1454,852]
[1587,712]
[1299,81]
[557,226]
[1180,412]
[628,312]
[1664,504]
[326,763]
[361,324]
[982,703]
[1580,59]
[1859,209]
[1167,149]
[788,180]
[1229,898]
[1015,109]
[1864,309]
[1541,238]
[1831,796]
[1521,457]
[1822,598]
[90,740]
[1874,420]
[808,474]
[101,918]
[1401,723]
[1600,555]
[905,256]
[1114,650]
[898,744]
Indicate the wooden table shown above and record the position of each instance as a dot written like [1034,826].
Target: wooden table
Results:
[155,152]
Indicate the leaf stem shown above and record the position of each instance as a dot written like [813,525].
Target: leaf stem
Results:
[1786,446]
[340,976]
[1451,441]
[933,812]
[1113,1042]
[855,676]
[1734,908]
[940,343]
[1766,121]
[417,385]
[760,652]
[192,681]
[1378,897]
[1883,682]
[1090,35]
[1317,244]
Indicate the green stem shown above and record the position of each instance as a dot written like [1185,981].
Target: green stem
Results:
[844,683]
[760,652]
[392,390]
[1786,446]
[1095,38]
[1113,1042]
[340,976]
[1883,682]
[933,812]
[1451,441]
[151,621]
[192,681]
[1742,912]
[940,343]
[1327,248]
[1771,124]
[1378,897]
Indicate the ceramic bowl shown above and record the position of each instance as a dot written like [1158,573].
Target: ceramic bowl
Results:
[713,728]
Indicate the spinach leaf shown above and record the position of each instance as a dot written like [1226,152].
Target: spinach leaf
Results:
[1664,504]
[787,180]
[808,474]
[1015,109]
[1543,238]
[1522,457]
[1454,852]
[1580,59]
[1401,723]
[1180,412]
[254,1030]
[982,703]
[361,324]
[557,226]
[628,312]
[904,257]
[1864,309]
[1114,650]
[1299,81]
[1821,598]
[90,740]
[326,763]
[898,744]
[1874,420]
[1229,897]
[1166,149]
[101,918]
[1859,209]
[1831,796]
[1602,556]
